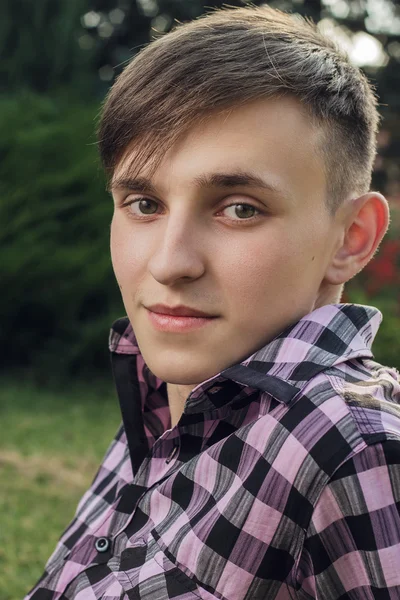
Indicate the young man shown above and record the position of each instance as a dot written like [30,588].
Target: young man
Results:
[259,456]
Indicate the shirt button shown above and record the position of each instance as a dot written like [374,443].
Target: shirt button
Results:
[102,544]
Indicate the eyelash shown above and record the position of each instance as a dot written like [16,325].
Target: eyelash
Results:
[143,218]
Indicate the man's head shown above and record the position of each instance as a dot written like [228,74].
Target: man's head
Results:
[257,204]
[228,58]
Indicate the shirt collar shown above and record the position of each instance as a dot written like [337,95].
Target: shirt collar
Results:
[326,337]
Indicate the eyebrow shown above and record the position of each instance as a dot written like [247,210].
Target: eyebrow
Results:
[225,180]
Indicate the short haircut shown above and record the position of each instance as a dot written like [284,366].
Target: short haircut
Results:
[227,58]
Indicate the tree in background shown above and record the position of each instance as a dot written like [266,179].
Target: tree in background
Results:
[59,58]
[39,47]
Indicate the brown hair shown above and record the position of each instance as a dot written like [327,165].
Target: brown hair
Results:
[227,58]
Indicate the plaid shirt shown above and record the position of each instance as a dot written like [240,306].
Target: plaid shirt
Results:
[280,481]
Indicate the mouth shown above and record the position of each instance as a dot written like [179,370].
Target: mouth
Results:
[177,324]
[179,311]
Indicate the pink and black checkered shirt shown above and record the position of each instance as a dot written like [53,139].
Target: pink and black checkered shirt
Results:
[281,480]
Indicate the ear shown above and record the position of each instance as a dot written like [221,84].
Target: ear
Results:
[362,224]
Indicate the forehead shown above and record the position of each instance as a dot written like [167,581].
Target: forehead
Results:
[272,139]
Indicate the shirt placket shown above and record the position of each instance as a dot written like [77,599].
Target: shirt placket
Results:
[161,461]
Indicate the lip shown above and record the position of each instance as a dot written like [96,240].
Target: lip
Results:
[177,324]
[178,311]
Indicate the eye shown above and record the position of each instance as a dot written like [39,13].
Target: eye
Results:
[243,212]
[142,205]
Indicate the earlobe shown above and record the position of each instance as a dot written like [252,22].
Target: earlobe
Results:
[364,226]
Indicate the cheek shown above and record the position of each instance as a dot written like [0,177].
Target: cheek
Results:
[252,272]
[267,272]
[115,244]
[129,251]
[120,249]
[265,258]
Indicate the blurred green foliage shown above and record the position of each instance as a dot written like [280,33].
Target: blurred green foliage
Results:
[39,46]
[58,289]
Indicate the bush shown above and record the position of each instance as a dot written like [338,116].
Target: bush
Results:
[58,287]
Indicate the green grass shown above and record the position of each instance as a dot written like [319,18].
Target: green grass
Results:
[51,445]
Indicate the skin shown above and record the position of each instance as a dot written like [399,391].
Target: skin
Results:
[258,275]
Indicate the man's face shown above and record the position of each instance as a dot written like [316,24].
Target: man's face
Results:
[257,269]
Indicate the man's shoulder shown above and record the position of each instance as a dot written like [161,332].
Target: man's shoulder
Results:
[371,393]
[360,398]
[337,415]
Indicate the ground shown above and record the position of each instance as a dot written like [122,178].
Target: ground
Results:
[51,445]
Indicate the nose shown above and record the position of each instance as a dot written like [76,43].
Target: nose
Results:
[178,252]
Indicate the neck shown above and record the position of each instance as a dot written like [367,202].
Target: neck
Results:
[177,396]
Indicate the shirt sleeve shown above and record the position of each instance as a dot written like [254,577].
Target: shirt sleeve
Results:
[352,546]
